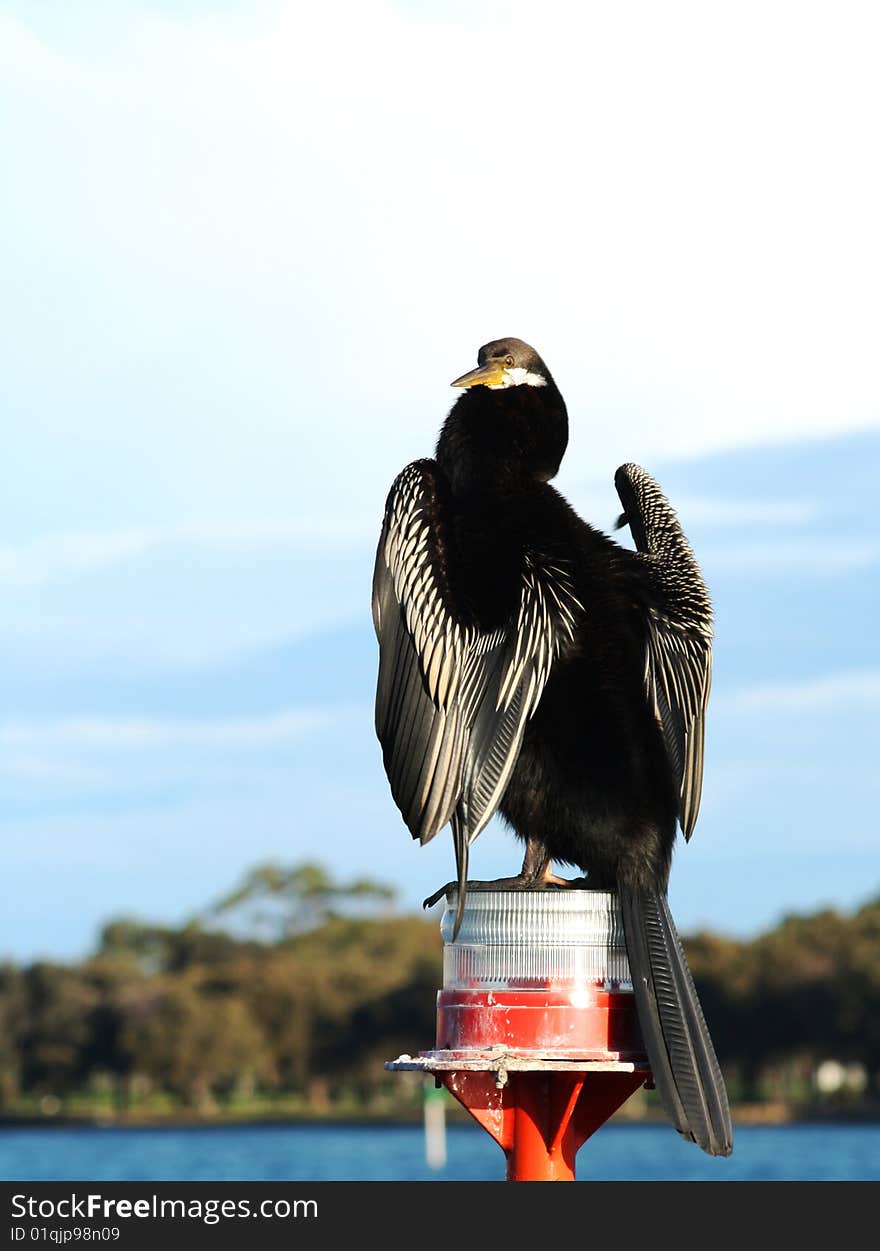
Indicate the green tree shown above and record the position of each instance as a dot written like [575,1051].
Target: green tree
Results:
[273,902]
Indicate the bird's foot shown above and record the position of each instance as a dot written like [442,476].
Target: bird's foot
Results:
[522,881]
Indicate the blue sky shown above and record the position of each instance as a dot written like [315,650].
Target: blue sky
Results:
[249,246]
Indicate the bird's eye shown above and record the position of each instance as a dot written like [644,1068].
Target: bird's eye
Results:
[508,360]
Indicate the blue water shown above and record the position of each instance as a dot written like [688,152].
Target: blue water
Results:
[396,1153]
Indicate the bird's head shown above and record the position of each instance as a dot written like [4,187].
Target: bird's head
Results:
[509,424]
[506,363]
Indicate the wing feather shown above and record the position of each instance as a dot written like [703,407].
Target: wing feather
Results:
[678,657]
[453,699]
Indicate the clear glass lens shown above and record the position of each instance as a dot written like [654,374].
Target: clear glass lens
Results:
[535,939]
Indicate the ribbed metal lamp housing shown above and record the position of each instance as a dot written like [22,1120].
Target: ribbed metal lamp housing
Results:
[523,940]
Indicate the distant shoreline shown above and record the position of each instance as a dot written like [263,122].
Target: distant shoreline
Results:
[750,1115]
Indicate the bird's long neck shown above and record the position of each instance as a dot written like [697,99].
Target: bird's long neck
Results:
[503,441]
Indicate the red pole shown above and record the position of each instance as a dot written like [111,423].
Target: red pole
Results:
[541,1118]
[531,1156]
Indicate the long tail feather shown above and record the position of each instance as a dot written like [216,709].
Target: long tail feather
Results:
[460,839]
[686,1071]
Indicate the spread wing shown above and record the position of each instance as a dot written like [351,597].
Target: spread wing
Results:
[453,699]
[678,659]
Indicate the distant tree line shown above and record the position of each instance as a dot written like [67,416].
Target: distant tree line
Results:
[295,986]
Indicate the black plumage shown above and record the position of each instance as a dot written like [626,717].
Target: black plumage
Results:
[531,665]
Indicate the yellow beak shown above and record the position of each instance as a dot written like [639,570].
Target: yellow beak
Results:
[489,375]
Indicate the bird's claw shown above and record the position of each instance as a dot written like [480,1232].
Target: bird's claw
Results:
[511,883]
[438,894]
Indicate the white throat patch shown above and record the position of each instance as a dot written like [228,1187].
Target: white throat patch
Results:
[518,377]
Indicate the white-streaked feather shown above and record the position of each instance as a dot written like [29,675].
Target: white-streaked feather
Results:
[452,701]
[678,655]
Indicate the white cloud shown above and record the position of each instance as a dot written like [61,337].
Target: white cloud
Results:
[59,555]
[818,557]
[700,510]
[674,240]
[326,209]
[747,512]
[24,766]
[827,693]
[103,734]
[68,553]
[27,57]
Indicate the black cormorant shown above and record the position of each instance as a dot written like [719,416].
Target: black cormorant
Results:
[531,665]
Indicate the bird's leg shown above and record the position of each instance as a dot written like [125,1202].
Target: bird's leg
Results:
[536,874]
